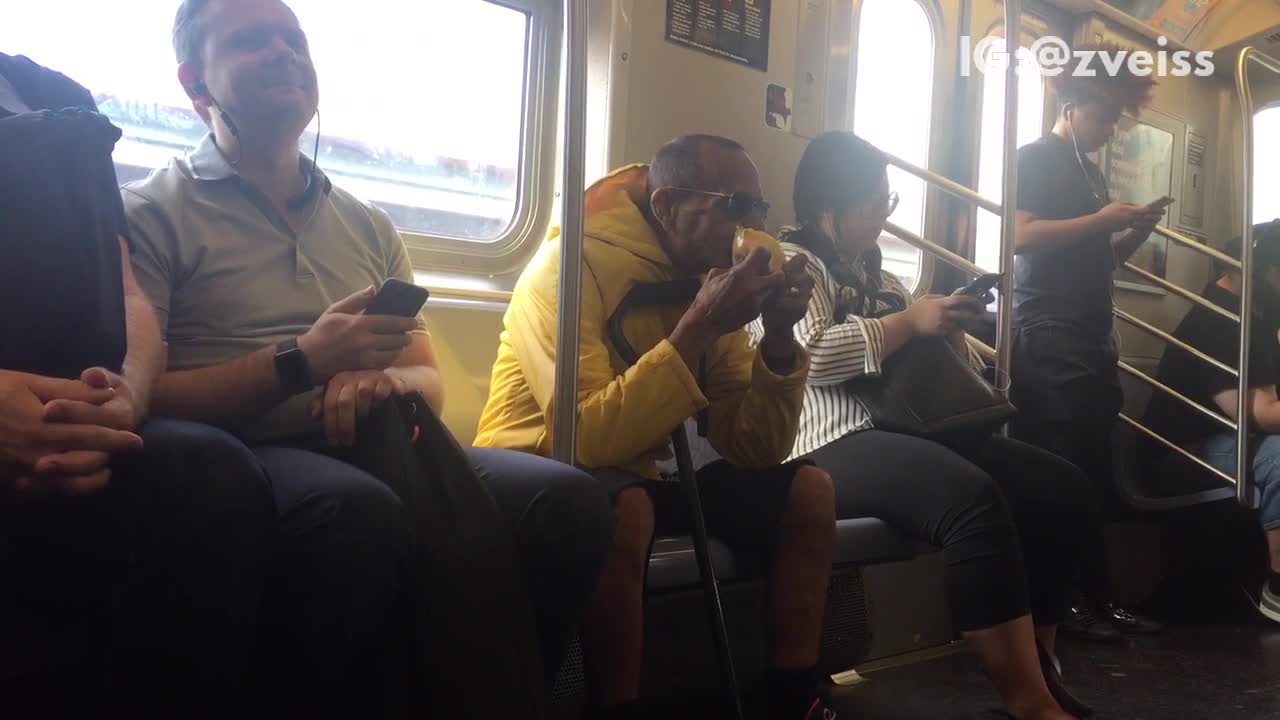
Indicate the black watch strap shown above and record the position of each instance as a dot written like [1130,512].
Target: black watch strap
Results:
[291,368]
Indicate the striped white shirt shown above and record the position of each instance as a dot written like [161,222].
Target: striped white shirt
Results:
[840,349]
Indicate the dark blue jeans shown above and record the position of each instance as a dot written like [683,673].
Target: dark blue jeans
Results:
[562,522]
[139,601]
[211,581]
[1219,450]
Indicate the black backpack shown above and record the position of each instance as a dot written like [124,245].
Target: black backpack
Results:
[61,286]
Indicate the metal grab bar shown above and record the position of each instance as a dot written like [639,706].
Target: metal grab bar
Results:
[945,184]
[1190,456]
[1181,292]
[1198,246]
[953,259]
[564,428]
[988,352]
[1143,325]
[1244,488]
[1224,421]
[1009,192]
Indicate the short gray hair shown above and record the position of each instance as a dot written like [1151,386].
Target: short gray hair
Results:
[679,162]
[188,31]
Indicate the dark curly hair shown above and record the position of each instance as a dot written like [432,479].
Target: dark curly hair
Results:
[1124,88]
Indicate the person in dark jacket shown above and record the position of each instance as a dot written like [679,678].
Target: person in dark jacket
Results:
[133,550]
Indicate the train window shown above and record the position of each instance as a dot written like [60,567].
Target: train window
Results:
[892,109]
[1266,175]
[422,103]
[986,251]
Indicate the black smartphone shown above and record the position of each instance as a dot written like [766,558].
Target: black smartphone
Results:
[397,297]
[1161,203]
[980,286]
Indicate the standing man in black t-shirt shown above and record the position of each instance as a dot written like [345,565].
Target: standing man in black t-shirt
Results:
[1219,338]
[1070,239]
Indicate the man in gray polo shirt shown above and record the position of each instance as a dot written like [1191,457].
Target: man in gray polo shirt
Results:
[260,269]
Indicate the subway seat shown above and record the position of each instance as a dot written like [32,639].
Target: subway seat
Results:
[859,541]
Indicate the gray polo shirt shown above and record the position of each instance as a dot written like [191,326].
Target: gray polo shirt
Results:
[228,276]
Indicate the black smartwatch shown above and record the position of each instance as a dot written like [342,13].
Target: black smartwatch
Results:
[291,368]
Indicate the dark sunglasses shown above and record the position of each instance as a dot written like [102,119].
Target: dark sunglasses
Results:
[738,205]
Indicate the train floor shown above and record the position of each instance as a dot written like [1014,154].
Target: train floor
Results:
[1222,666]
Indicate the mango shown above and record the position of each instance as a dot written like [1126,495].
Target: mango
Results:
[746,240]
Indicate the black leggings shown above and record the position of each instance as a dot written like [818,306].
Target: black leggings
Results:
[987,505]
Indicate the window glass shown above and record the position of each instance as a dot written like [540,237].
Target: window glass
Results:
[422,103]
[1266,172]
[892,104]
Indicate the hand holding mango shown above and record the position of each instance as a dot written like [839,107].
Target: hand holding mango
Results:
[746,240]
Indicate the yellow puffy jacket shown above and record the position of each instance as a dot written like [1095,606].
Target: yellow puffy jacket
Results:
[626,414]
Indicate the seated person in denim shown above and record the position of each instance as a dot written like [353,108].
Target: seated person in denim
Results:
[1219,337]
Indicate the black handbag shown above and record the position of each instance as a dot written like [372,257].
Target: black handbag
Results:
[468,622]
[927,389]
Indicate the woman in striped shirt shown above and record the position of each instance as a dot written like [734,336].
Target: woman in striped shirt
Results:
[989,504]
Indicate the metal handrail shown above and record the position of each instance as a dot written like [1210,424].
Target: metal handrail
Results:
[1143,325]
[1009,194]
[988,352]
[1180,291]
[564,428]
[945,184]
[1220,419]
[1244,488]
[958,261]
[1173,446]
[1198,246]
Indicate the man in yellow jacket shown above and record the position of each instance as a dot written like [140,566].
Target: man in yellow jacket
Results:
[675,219]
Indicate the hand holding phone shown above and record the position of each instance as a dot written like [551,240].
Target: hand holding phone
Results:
[364,331]
[1161,203]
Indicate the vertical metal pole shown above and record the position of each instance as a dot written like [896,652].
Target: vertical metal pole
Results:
[565,411]
[1244,488]
[1009,199]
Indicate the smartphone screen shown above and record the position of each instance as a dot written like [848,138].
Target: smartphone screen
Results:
[397,297]
[980,286]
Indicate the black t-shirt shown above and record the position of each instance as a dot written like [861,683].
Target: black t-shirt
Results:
[1072,284]
[1219,338]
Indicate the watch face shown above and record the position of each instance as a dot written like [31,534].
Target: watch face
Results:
[291,368]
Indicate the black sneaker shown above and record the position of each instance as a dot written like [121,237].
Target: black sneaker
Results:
[1083,624]
[1269,603]
[1052,672]
[1128,621]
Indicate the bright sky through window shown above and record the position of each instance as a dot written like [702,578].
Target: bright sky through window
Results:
[893,95]
[421,102]
[1266,173]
